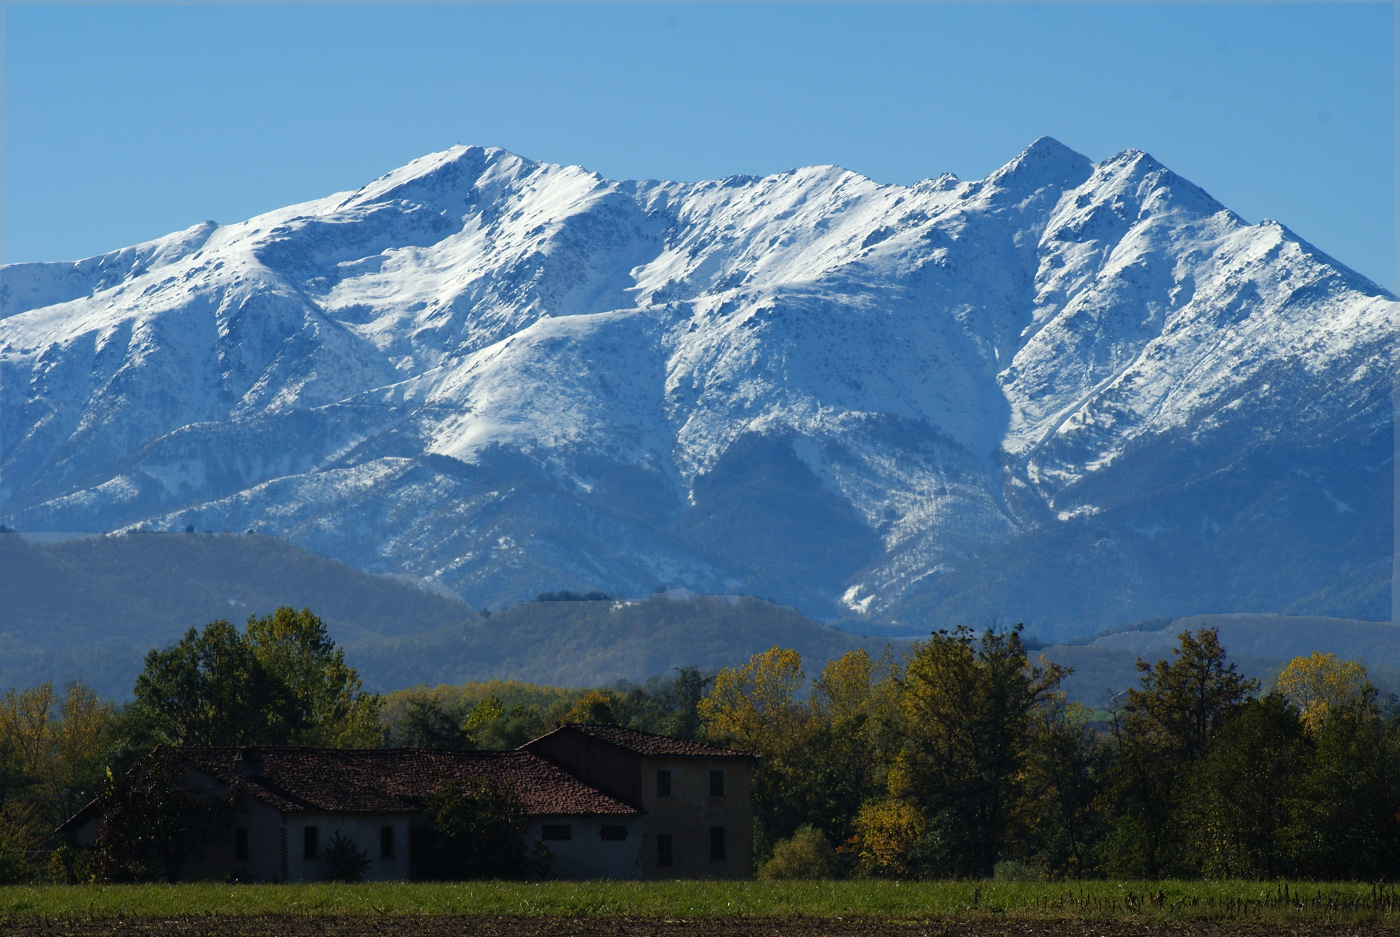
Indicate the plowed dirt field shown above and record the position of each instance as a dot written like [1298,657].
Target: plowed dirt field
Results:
[488,926]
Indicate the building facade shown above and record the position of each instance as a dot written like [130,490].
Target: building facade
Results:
[694,800]
[290,804]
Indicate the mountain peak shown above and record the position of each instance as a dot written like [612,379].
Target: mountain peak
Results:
[447,168]
[1010,396]
[1047,161]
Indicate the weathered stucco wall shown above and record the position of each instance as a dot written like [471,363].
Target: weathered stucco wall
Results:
[586,854]
[689,814]
[276,846]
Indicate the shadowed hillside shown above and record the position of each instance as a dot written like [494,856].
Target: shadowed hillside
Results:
[593,643]
[90,608]
[1261,644]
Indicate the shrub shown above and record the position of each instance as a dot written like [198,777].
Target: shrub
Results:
[479,831]
[806,856]
[1014,870]
[888,834]
[153,820]
[344,862]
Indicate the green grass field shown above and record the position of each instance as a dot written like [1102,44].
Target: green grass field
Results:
[1158,901]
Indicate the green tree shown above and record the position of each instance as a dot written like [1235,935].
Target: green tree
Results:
[210,689]
[1162,729]
[971,710]
[479,831]
[1066,776]
[153,820]
[1236,804]
[282,682]
[666,705]
[1345,815]
[429,723]
[332,708]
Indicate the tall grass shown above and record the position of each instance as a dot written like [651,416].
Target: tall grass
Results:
[1169,900]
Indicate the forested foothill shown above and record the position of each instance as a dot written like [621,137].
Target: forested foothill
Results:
[87,608]
[958,758]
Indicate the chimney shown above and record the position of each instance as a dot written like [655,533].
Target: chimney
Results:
[248,763]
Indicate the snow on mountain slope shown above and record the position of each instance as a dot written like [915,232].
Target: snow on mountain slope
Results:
[1067,393]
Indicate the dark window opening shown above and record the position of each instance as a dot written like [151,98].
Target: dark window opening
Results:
[557,831]
[663,784]
[717,843]
[310,841]
[240,845]
[613,832]
[663,849]
[386,842]
[716,783]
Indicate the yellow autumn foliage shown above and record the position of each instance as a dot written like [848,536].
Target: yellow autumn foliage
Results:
[755,707]
[1318,683]
[886,833]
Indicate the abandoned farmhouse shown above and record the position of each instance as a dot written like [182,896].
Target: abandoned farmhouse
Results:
[607,802]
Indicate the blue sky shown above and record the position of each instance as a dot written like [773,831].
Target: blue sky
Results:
[125,123]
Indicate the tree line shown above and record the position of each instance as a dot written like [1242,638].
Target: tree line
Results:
[963,759]
[958,758]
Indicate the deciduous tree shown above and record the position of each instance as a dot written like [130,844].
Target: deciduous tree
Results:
[282,682]
[1319,683]
[971,710]
[1237,797]
[479,831]
[1161,730]
[756,708]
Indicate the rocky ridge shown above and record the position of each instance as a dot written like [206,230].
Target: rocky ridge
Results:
[1072,393]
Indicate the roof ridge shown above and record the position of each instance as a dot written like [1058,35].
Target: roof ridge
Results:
[660,745]
[394,780]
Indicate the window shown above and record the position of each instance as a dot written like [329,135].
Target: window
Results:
[386,842]
[613,832]
[717,843]
[663,784]
[557,831]
[310,842]
[240,845]
[716,783]
[663,849]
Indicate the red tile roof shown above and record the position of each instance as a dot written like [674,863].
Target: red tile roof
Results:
[649,744]
[389,780]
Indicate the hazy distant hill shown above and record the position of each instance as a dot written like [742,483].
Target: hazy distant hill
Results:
[591,643]
[92,607]
[1260,644]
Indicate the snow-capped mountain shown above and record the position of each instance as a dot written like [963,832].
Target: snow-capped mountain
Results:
[1074,394]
